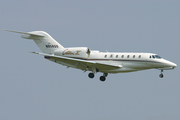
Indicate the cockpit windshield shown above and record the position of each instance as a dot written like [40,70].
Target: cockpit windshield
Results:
[157,56]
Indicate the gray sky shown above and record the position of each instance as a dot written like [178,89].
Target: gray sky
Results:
[33,88]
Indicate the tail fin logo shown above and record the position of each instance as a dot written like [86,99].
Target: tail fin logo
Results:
[52,46]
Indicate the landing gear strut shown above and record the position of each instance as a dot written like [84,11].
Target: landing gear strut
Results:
[161,75]
[94,70]
[103,78]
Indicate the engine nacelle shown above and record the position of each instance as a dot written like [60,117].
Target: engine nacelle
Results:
[81,52]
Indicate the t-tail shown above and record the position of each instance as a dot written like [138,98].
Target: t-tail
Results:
[44,41]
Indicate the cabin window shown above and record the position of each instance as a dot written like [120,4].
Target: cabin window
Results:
[122,56]
[116,56]
[150,57]
[111,56]
[133,56]
[139,56]
[128,56]
[105,56]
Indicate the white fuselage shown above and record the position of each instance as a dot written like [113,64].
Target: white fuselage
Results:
[130,61]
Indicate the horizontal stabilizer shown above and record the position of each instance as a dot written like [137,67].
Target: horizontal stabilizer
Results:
[28,33]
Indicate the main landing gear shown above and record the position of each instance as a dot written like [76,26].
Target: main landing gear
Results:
[161,75]
[102,78]
[91,75]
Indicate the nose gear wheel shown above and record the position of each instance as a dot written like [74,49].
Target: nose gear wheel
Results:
[161,75]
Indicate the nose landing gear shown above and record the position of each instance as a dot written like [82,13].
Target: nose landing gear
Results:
[161,75]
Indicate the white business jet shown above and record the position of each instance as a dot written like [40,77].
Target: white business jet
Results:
[88,60]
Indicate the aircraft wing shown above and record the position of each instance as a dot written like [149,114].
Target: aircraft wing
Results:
[79,63]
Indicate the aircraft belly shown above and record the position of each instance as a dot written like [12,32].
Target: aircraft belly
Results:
[137,65]
[103,66]
[156,64]
[129,67]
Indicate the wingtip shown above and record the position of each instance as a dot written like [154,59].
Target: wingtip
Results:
[15,31]
[34,52]
[4,30]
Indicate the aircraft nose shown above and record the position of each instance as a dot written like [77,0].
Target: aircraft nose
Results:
[170,64]
[174,65]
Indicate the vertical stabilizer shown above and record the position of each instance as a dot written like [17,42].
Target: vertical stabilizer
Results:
[47,44]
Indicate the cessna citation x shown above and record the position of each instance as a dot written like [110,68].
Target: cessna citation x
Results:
[88,60]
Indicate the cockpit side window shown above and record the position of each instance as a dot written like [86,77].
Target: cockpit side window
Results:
[157,56]
[153,56]
[150,57]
